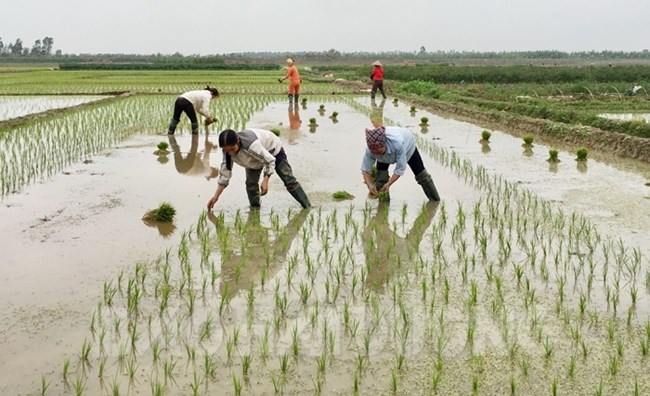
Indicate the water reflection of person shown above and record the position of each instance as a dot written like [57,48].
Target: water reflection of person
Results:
[193,163]
[377,112]
[382,246]
[240,269]
[294,123]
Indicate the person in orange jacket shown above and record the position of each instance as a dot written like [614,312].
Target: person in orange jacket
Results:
[377,77]
[294,81]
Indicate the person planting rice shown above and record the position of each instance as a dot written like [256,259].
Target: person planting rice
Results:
[294,81]
[393,145]
[258,151]
[377,77]
[190,103]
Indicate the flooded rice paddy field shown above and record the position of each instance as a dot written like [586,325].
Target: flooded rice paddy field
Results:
[18,106]
[523,280]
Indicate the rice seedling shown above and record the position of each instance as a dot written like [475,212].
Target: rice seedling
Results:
[237,385]
[65,372]
[209,367]
[554,387]
[613,365]
[424,121]
[79,386]
[284,364]
[84,354]
[393,382]
[168,370]
[342,195]
[45,384]
[524,365]
[528,139]
[163,213]
[581,154]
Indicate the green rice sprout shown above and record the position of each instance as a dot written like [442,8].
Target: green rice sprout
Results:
[528,140]
[342,195]
[553,155]
[164,213]
[485,135]
[581,154]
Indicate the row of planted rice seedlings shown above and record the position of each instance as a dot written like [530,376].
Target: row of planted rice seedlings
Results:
[37,151]
[370,300]
[18,106]
[163,82]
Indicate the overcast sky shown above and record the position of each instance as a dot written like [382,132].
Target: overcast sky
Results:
[220,27]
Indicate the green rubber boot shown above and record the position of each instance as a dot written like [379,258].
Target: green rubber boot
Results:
[253,198]
[172,126]
[424,179]
[301,197]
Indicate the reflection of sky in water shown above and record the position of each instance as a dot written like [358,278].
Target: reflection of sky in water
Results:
[626,116]
[18,106]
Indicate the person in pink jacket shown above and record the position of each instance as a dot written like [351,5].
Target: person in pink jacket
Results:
[190,103]
[294,81]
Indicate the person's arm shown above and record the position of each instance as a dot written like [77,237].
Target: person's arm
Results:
[215,197]
[269,163]
[204,109]
[222,182]
[367,179]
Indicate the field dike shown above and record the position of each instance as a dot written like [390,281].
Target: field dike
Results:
[619,144]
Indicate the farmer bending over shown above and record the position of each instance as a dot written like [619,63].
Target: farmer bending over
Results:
[258,151]
[394,145]
[190,103]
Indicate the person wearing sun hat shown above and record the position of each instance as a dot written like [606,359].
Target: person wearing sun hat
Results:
[294,81]
[377,77]
[388,145]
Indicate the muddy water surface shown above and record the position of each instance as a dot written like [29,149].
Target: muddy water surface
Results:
[390,303]
[18,106]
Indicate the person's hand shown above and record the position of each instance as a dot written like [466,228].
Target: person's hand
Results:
[209,121]
[264,187]
[385,188]
[211,202]
[372,190]
[279,80]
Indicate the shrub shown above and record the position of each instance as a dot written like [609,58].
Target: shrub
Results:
[581,154]
[485,135]
[164,213]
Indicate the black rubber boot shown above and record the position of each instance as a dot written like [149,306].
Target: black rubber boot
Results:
[253,198]
[424,179]
[290,98]
[301,197]
[172,126]
[195,128]
[295,99]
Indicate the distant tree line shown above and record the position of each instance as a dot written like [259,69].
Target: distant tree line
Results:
[18,49]
[42,51]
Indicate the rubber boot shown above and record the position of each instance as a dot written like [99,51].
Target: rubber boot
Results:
[301,197]
[381,178]
[172,126]
[195,128]
[253,198]
[290,98]
[295,99]
[372,95]
[424,179]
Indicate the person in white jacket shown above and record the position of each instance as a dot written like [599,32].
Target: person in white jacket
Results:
[258,151]
[190,103]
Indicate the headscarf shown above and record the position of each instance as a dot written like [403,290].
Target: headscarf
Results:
[376,138]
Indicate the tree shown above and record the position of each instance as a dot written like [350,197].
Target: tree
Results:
[37,48]
[17,48]
[423,50]
[2,46]
[48,43]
